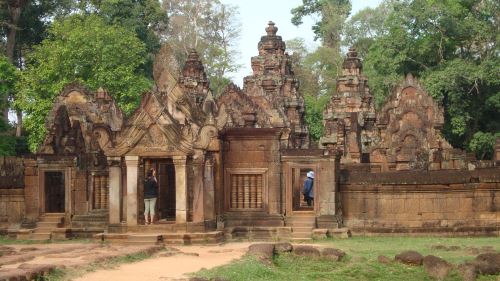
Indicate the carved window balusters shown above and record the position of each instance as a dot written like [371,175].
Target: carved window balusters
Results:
[246,191]
[101,191]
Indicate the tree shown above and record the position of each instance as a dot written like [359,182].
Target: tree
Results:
[453,47]
[309,70]
[145,17]
[212,29]
[483,144]
[84,49]
[332,15]
[363,28]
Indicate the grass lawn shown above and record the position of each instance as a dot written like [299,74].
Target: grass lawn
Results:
[361,260]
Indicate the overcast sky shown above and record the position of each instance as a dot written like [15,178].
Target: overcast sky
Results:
[254,15]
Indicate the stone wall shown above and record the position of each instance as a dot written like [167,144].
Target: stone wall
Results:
[11,191]
[248,153]
[446,202]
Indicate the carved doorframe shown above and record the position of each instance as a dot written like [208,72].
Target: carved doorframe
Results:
[67,188]
[288,173]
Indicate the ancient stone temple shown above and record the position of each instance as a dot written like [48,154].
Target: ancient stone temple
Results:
[233,166]
[270,97]
[217,160]
[349,118]
[398,173]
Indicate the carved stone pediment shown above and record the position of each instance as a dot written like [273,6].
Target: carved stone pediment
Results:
[409,128]
[151,128]
[238,107]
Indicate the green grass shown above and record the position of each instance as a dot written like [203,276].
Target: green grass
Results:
[359,264]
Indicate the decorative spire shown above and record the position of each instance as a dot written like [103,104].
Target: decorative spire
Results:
[271,29]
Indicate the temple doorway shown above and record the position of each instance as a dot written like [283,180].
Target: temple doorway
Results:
[298,177]
[165,172]
[54,192]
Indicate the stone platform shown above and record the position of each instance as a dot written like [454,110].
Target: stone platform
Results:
[162,238]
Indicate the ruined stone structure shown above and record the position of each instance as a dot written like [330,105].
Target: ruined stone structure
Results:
[233,166]
[350,116]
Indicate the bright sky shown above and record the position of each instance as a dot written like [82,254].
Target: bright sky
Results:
[254,15]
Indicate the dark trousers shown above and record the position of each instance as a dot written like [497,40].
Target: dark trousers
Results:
[309,200]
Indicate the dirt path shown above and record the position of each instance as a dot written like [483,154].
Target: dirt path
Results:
[173,267]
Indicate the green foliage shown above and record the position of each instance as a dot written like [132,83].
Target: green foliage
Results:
[7,145]
[483,144]
[316,72]
[332,15]
[314,114]
[87,50]
[8,77]
[452,46]
[146,18]
[213,29]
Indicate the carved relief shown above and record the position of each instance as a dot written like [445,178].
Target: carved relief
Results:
[409,135]
[349,117]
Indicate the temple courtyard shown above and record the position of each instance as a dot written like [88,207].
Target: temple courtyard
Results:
[356,258]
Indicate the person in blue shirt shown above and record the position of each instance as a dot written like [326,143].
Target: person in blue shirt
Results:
[150,195]
[308,188]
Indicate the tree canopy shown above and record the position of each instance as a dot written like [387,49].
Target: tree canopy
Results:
[87,50]
[451,46]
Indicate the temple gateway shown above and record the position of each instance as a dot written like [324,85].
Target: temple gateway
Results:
[233,166]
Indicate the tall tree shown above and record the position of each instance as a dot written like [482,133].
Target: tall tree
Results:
[84,49]
[210,27]
[364,27]
[11,17]
[453,47]
[331,15]
[320,68]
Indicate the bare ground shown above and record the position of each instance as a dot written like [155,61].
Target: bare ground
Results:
[172,265]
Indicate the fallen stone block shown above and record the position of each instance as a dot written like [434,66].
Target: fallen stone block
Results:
[332,253]
[319,233]
[488,263]
[263,251]
[282,247]
[309,251]
[410,258]
[436,267]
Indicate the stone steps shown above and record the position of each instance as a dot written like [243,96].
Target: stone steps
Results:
[302,226]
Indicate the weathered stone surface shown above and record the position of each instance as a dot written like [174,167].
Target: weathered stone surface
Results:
[467,271]
[309,251]
[436,267]
[282,247]
[383,259]
[488,263]
[263,251]
[410,258]
[270,96]
[319,233]
[350,116]
[332,253]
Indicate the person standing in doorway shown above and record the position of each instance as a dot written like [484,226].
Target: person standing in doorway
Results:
[308,188]
[150,195]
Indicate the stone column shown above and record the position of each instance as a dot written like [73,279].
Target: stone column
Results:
[31,189]
[198,192]
[115,182]
[132,163]
[209,190]
[180,189]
